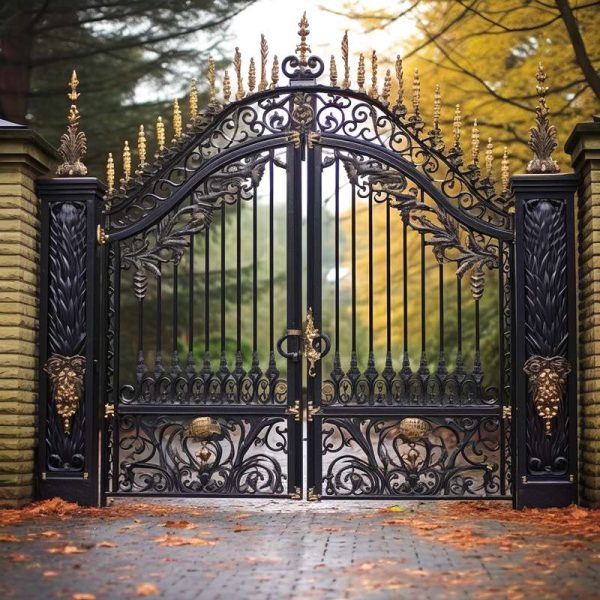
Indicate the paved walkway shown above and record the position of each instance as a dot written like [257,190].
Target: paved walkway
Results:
[278,550]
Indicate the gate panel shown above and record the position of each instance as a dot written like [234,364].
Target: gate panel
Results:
[410,401]
[203,403]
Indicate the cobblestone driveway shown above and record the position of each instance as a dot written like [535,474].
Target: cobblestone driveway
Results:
[285,549]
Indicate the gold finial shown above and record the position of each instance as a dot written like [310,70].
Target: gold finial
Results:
[399,108]
[456,126]
[346,81]
[141,147]
[303,49]
[237,65]
[251,76]
[110,173]
[416,95]
[360,79]
[160,134]
[126,162]
[332,71]
[542,137]
[226,87]
[505,170]
[73,143]
[387,88]
[373,90]
[489,158]
[437,107]
[275,72]
[177,122]
[475,144]
[264,56]
[193,101]
[211,78]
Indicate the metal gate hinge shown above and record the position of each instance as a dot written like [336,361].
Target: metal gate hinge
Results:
[294,138]
[312,410]
[294,410]
[297,495]
[314,137]
[101,236]
[312,495]
[109,411]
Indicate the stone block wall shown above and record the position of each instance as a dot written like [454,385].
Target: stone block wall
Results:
[584,147]
[23,157]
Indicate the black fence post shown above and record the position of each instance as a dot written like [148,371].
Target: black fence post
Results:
[69,407]
[545,417]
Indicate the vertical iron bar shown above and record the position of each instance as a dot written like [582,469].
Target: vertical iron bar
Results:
[353,269]
[271,256]
[207,292]
[175,312]
[405,288]
[388,279]
[238,275]
[370,273]
[501,297]
[158,362]
[423,301]
[223,281]
[254,272]
[337,257]
[191,304]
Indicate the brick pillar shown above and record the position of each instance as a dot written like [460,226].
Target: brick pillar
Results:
[23,157]
[584,147]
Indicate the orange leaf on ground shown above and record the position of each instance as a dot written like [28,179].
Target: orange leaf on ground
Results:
[9,538]
[146,589]
[51,534]
[84,597]
[177,540]
[68,549]
[179,525]
[106,545]
[50,573]
[239,527]
[19,557]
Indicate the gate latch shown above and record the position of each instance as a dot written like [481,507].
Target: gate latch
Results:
[313,344]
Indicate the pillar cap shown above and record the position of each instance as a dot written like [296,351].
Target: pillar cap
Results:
[584,142]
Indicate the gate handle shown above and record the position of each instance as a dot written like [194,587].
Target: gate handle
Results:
[311,341]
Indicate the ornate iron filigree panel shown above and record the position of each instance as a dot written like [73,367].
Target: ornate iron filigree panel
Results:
[163,455]
[411,457]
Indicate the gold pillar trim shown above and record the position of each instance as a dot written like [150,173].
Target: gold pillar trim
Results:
[73,143]
[66,377]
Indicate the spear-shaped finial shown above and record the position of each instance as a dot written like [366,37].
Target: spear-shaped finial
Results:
[360,77]
[416,95]
[345,59]
[177,121]
[275,72]
[542,137]
[73,143]
[226,87]
[264,57]
[141,148]
[475,137]
[110,174]
[505,170]
[303,49]
[437,107]
[126,162]
[489,159]
[160,134]
[237,65]
[399,107]
[332,72]
[456,126]
[251,75]
[373,92]
[211,78]
[387,88]
[193,100]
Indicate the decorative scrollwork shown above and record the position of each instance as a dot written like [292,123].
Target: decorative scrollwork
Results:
[66,375]
[547,378]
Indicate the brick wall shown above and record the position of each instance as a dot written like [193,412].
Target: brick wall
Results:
[23,157]
[584,147]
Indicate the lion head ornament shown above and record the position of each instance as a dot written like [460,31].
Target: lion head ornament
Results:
[66,375]
[547,378]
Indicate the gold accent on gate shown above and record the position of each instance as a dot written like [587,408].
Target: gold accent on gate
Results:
[312,495]
[312,410]
[101,236]
[547,379]
[294,138]
[311,336]
[303,49]
[413,429]
[109,411]
[297,495]
[73,143]
[294,410]
[313,137]
[66,376]
[202,429]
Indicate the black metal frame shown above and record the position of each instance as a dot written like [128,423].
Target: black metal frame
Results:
[401,420]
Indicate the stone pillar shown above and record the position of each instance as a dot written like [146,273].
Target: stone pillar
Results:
[584,147]
[24,156]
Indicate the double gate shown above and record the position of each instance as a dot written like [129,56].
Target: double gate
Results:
[308,293]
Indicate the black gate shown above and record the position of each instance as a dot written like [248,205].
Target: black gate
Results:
[311,291]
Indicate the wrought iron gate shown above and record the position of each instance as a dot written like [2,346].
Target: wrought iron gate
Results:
[313,260]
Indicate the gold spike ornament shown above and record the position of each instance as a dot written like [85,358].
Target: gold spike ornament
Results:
[399,108]
[373,92]
[303,49]
[346,81]
[211,78]
[110,174]
[360,77]
[475,137]
[332,72]
[264,57]
[275,72]
[489,159]
[251,75]
[456,126]
[416,95]
[226,87]
[237,65]
[193,102]
[177,121]
[387,88]
[73,143]
[141,147]
[160,134]
[126,162]
[505,171]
